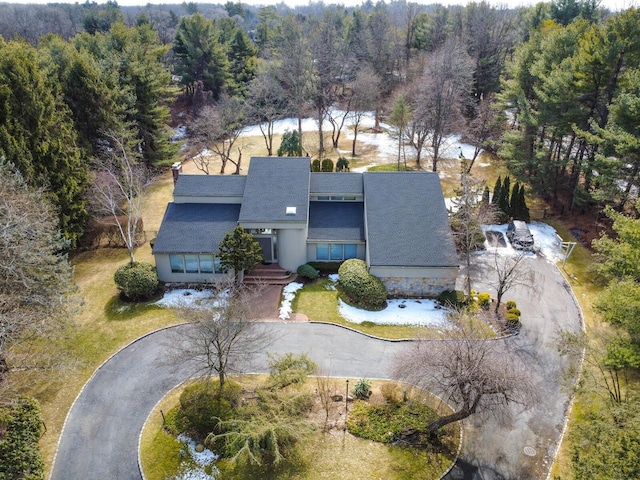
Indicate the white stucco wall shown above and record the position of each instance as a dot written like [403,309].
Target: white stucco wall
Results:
[292,248]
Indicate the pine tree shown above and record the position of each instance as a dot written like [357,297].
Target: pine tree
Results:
[290,145]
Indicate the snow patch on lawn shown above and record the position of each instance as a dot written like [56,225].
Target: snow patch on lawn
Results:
[201,459]
[400,312]
[288,294]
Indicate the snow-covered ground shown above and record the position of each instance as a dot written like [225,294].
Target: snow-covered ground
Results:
[201,459]
[399,312]
[545,240]
[386,146]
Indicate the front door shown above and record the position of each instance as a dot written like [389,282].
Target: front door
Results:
[267,249]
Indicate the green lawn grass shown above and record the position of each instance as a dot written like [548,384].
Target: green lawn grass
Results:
[320,304]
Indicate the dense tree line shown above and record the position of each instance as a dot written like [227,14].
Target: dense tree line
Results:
[554,89]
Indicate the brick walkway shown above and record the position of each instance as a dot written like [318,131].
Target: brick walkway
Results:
[268,308]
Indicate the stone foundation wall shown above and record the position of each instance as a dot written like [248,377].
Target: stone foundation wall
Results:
[417,287]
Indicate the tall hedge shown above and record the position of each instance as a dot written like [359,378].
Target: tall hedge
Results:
[360,287]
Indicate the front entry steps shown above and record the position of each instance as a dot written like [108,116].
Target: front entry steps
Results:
[269,274]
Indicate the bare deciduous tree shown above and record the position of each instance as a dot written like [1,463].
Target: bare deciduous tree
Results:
[36,281]
[217,129]
[119,187]
[267,103]
[473,375]
[483,128]
[365,95]
[509,273]
[225,336]
[444,86]
[467,219]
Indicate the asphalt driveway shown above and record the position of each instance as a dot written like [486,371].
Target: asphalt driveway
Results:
[100,436]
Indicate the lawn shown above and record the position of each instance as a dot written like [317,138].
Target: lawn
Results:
[319,302]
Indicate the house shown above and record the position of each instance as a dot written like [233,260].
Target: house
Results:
[395,221]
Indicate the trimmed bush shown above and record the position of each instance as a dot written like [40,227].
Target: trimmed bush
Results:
[512,318]
[452,298]
[510,304]
[136,281]
[315,165]
[484,299]
[342,164]
[326,267]
[362,389]
[307,271]
[515,311]
[202,406]
[360,287]
[327,165]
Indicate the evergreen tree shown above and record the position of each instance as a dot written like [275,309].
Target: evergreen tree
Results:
[37,134]
[514,204]
[199,55]
[503,201]
[497,191]
[290,145]
[239,252]
[243,62]
[522,202]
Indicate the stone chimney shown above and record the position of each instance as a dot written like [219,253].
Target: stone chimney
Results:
[176,170]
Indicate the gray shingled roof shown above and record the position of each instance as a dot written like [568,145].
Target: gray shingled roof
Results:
[334,183]
[273,184]
[210,185]
[336,221]
[407,221]
[195,227]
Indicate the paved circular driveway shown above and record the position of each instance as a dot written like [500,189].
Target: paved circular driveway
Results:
[100,437]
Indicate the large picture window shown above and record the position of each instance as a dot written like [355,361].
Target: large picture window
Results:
[193,263]
[336,251]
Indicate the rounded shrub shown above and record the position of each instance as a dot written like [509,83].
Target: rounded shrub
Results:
[136,281]
[315,165]
[360,287]
[307,271]
[510,304]
[484,299]
[452,298]
[342,164]
[202,406]
[327,165]
[512,318]
[515,312]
